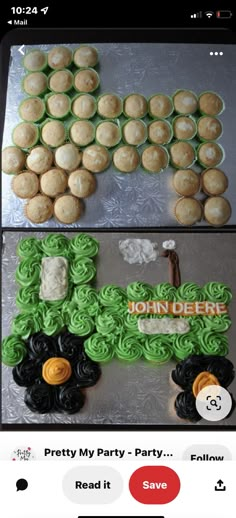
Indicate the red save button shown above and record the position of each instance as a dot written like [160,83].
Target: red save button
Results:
[154,485]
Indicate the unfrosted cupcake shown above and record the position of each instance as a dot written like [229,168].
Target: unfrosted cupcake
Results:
[39,159]
[83,106]
[67,209]
[184,127]
[57,105]
[209,128]
[25,185]
[126,159]
[210,154]
[85,56]
[214,182]
[108,134]
[135,132]
[32,109]
[154,159]
[96,158]
[159,132]
[86,80]
[188,211]
[68,157]
[186,182]
[53,182]
[109,106]
[53,133]
[25,135]
[135,106]
[35,61]
[217,211]
[182,154]
[82,132]
[39,209]
[210,103]
[82,183]
[160,106]
[13,160]
[61,81]
[59,57]
[185,102]
[35,83]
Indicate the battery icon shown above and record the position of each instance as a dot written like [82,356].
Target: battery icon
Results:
[224,14]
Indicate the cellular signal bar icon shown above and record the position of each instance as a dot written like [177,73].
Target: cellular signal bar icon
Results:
[196,15]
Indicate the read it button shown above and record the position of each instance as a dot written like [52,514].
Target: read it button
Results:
[154,485]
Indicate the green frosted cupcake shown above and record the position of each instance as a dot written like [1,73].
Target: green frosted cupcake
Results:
[84,245]
[112,296]
[27,299]
[58,105]
[35,61]
[28,271]
[189,292]
[52,321]
[86,298]
[213,343]
[26,324]
[185,345]
[56,245]
[109,322]
[217,292]
[82,270]
[13,350]
[139,292]
[80,323]
[128,348]
[29,247]
[164,291]
[158,349]
[99,348]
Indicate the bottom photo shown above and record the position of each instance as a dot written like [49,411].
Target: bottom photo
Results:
[118,328]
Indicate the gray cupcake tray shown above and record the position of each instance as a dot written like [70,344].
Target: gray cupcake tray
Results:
[138,199]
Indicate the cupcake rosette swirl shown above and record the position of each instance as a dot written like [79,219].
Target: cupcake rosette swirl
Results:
[158,349]
[217,292]
[28,272]
[164,291]
[82,270]
[211,342]
[189,291]
[86,298]
[80,323]
[185,345]
[185,406]
[87,373]
[56,245]
[196,323]
[27,298]
[99,348]
[13,350]
[108,322]
[111,295]
[66,309]
[52,321]
[219,323]
[84,245]
[128,348]
[25,324]
[29,247]
[139,292]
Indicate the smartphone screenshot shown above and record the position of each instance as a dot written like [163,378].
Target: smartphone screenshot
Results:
[118,253]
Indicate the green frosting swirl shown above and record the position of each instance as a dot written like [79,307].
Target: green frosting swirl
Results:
[55,245]
[139,292]
[58,304]
[185,345]
[128,348]
[108,322]
[67,307]
[13,350]
[131,323]
[158,349]
[114,296]
[164,291]
[52,321]
[196,323]
[27,298]
[217,292]
[82,269]
[219,323]
[28,272]
[29,247]
[26,324]
[86,298]
[99,348]
[190,292]
[80,323]
[213,343]
[84,245]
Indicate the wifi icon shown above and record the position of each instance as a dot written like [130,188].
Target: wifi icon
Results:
[209,14]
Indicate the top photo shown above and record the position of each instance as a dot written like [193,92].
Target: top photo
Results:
[104,135]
